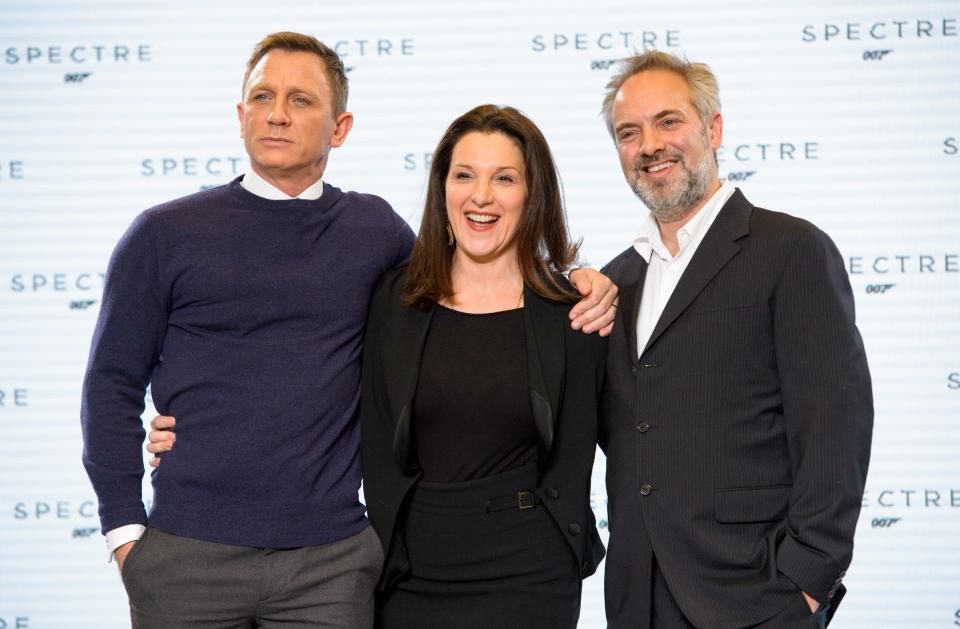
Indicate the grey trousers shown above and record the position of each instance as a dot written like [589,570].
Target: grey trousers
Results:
[179,582]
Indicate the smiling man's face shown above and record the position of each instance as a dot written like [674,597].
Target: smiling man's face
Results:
[287,119]
[666,152]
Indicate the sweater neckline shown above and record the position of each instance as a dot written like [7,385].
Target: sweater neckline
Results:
[327,200]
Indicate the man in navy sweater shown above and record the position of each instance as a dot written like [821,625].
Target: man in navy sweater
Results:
[243,307]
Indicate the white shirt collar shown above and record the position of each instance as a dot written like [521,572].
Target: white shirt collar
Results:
[255,184]
[649,241]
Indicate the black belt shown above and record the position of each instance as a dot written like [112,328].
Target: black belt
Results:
[520,500]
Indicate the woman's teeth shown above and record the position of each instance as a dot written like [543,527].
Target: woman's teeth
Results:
[482,218]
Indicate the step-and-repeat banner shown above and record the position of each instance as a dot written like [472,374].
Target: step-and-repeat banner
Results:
[844,113]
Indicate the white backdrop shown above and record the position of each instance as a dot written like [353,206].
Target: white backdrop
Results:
[845,113]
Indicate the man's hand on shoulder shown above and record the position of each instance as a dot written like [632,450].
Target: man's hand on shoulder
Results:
[598,308]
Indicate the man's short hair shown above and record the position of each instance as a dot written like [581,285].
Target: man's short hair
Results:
[704,91]
[298,42]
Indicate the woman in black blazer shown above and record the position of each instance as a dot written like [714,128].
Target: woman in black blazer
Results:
[479,403]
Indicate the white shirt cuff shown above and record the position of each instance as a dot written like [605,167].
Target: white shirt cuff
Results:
[122,535]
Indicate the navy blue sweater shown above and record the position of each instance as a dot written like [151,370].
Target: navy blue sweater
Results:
[246,318]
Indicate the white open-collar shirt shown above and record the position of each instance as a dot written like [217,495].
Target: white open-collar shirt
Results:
[664,270]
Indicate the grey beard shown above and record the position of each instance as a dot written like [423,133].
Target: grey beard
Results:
[669,206]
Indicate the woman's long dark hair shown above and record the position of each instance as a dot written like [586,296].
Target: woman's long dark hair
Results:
[544,247]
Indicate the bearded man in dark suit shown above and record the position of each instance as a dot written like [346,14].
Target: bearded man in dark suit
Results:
[738,410]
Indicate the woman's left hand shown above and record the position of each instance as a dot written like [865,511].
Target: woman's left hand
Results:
[161,437]
[598,308]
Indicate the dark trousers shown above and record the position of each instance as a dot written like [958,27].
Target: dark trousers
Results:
[180,582]
[664,613]
[476,568]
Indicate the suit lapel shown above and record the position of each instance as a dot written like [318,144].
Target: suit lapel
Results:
[545,365]
[630,283]
[716,249]
[402,380]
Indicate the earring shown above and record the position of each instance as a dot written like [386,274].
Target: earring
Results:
[450,240]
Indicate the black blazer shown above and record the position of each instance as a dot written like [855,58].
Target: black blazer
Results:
[737,442]
[565,369]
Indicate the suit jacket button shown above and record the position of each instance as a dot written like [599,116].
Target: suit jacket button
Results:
[643,427]
[634,369]
[573,529]
[645,490]
[552,493]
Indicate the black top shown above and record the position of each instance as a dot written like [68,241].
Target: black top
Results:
[471,413]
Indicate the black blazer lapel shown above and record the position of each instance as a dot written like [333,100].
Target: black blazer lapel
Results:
[716,249]
[545,365]
[402,380]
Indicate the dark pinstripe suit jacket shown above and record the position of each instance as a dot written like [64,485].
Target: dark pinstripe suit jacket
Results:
[738,440]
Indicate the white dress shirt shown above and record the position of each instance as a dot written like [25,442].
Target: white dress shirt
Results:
[664,270]
[254,184]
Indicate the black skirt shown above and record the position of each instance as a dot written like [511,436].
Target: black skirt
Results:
[473,566]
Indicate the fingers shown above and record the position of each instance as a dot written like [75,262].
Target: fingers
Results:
[163,422]
[596,318]
[607,329]
[601,313]
[581,280]
[160,441]
[162,437]
[161,445]
[580,313]
[610,292]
